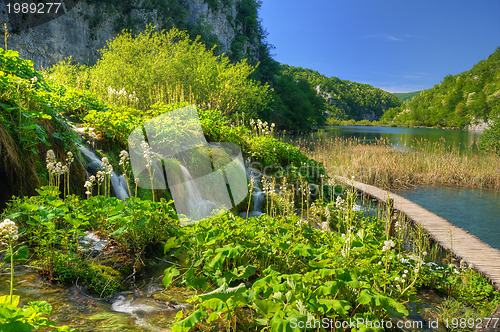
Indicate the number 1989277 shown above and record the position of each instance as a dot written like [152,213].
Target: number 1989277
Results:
[33,8]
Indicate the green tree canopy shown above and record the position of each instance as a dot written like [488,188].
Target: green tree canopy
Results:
[141,70]
[457,101]
[346,100]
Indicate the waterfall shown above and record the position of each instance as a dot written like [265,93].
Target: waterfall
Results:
[258,196]
[119,187]
[195,202]
[118,183]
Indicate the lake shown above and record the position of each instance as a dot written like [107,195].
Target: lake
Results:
[399,136]
[475,210]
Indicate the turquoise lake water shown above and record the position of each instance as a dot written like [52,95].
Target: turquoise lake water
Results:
[475,210]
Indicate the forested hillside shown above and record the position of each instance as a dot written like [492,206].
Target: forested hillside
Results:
[457,101]
[404,96]
[345,99]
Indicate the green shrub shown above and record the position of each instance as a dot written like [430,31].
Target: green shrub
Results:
[490,139]
[280,157]
[141,70]
[53,227]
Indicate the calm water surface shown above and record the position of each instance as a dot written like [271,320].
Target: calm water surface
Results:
[475,210]
[401,136]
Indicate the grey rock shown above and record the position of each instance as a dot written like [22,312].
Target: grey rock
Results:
[73,34]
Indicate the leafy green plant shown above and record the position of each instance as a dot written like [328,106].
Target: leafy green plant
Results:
[490,139]
[29,316]
[54,227]
[266,271]
[148,67]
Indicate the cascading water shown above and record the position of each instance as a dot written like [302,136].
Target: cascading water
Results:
[194,199]
[258,196]
[119,187]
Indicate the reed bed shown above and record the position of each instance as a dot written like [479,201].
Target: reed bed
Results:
[422,163]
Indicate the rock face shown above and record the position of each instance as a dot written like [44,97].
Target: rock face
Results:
[85,28]
[479,125]
[220,20]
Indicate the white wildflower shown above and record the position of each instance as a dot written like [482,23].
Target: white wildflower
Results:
[301,222]
[124,158]
[8,229]
[69,158]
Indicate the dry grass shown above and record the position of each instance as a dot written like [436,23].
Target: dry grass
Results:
[422,163]
[8,151]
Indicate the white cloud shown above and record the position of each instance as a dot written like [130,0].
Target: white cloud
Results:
[392,37]
[383,36]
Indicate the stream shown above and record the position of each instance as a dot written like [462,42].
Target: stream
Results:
[144,309]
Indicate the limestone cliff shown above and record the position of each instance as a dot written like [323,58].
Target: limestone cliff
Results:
[86,25]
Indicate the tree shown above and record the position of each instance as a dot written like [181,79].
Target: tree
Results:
[155,66]
[490,139]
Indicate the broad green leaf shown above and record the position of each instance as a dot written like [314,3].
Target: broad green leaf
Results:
[340,306]
[119,231]
[279,324]
[196,281]
[302,250]
[224,293]
[365,297]
[324,273]
[170,274]
[17,326]
[186,324]
[268,308]
[213,304]
[330,288]
[5,300]
[179,315]
[172,242]
[218,260]
[390,305]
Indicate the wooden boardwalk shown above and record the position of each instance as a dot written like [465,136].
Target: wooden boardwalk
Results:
[464,246]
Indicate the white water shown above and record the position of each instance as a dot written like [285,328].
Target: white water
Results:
[138,308]
[118,183]
[119,186]
[258,196]
[197,205]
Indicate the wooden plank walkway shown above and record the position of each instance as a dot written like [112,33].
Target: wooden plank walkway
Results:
[465,246]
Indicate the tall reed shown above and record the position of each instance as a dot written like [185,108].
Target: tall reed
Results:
[421,163]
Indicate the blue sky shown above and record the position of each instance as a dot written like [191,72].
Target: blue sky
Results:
[396,45]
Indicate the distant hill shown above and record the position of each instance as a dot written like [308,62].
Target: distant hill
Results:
[345,99]
[406,96]
[458,101]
